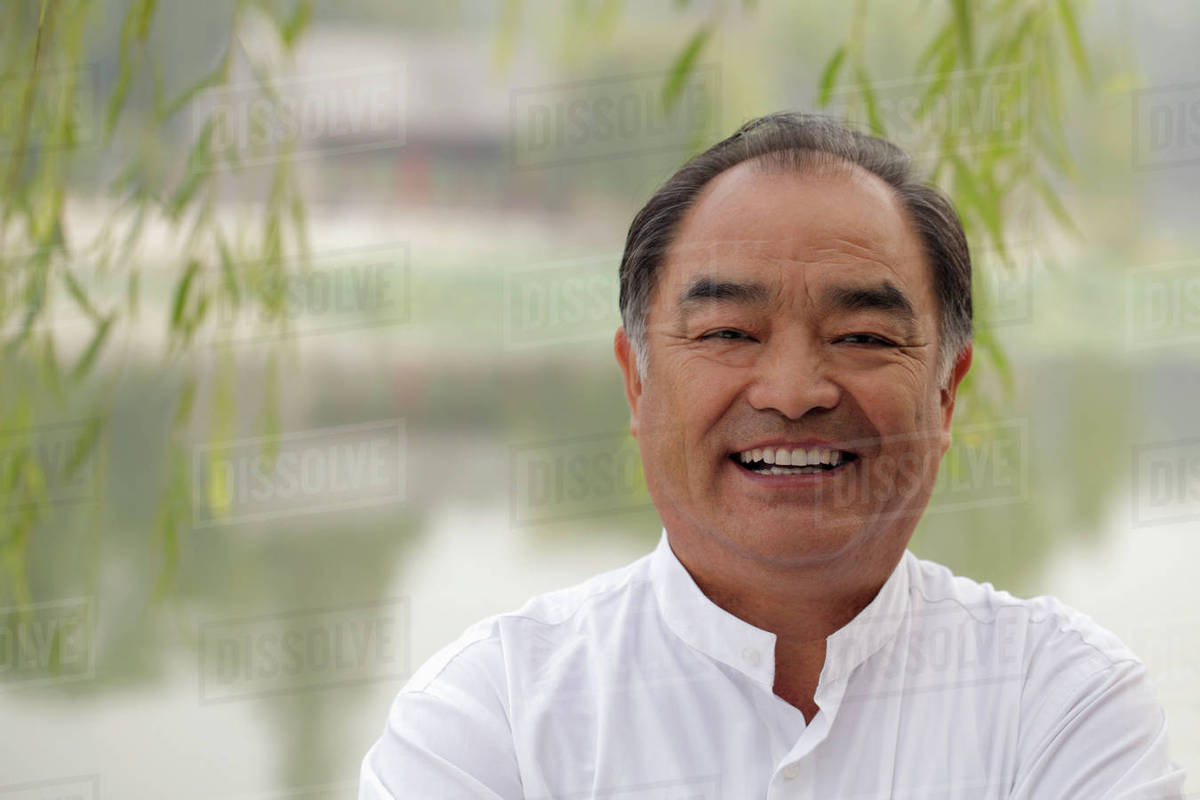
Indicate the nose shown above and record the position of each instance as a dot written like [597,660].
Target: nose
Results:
[793,377]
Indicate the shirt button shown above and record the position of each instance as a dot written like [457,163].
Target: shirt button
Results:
[751,655]
[791,771]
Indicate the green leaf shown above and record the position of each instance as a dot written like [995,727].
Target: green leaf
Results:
[78,294]
[963,25]
[1050,198]
[94,347]
[181,292]
[117,99]
[297,23]
[85,443]
[208,81]
[829,75]
[683,65]
[936,46]
[228,272]
[508,29]
[196,170]
[145,17]
[132,292]
[971,195]
[1006,50]
[1075,41]
[870,105]
[134,29]
[937,87]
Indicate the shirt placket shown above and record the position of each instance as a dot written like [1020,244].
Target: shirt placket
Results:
[796,778]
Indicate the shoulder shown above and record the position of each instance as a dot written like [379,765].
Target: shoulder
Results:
[1061,662]
[1052,634]
[545,621]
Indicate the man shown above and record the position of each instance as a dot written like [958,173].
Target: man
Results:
[796,322]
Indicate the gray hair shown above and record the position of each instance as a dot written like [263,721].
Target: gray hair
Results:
[802,142]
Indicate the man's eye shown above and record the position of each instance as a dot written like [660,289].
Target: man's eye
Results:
[725,333]
[866,338]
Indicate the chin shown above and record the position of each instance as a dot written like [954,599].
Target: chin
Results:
[797,539]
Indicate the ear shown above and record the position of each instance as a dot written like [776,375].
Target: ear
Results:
[633,382]
[949,392]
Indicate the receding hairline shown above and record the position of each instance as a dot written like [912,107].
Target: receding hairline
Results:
[810,165]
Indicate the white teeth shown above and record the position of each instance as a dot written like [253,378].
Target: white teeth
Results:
[791,470]
[781,457]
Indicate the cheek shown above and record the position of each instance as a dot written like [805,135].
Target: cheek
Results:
[699,392]
[891,406]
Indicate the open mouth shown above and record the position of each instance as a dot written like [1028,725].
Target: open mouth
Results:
[792,461]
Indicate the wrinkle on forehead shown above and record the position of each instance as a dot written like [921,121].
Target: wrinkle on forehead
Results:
[863,222]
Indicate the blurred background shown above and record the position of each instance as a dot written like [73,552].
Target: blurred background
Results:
[307,313]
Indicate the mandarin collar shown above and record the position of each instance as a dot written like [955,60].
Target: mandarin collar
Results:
[710,629]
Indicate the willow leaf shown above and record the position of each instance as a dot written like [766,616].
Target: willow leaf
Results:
[297,23]
[935,47]
[84,445]
[966,34]
[1075,41]
[181,293]
[1054,204]
[78,294]
[829,75]
[869,103]
[682,68]
[94,347]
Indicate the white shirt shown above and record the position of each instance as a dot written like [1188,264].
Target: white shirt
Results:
[634,685]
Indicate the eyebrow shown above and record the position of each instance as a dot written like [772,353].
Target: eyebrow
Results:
[885,297]
[710,290]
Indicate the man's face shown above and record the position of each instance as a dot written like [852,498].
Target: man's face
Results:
[794,320]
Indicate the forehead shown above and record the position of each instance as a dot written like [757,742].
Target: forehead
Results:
[829,222]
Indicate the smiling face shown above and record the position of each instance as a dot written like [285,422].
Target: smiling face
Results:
[794,322]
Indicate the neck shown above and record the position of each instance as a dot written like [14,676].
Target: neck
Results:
[801,605]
